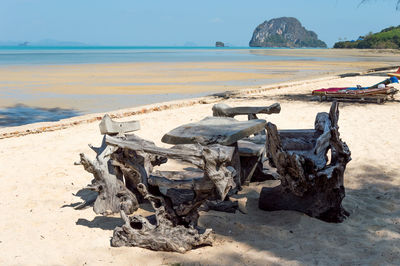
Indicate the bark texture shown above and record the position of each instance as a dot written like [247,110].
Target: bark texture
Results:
[251,149]
[177,194]
[310,183]
[108,183]
[225,110]
[165,233]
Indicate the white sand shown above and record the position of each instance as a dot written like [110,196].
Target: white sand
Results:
[38,178]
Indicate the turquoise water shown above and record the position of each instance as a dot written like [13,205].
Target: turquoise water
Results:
[26,55]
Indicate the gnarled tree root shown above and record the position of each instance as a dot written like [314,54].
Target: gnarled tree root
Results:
[309,182]
[324,206]
[162,235]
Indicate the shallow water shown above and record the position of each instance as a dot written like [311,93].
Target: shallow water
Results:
[51,83]
[87,55]
[20,115]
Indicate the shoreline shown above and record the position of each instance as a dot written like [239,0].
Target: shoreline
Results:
[34,93]
[41,127]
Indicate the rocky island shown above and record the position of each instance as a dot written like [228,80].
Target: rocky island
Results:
[284,32]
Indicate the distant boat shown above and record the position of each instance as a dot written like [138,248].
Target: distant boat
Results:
[24,44]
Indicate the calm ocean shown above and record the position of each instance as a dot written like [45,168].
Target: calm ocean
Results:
[22,55]
[27,99]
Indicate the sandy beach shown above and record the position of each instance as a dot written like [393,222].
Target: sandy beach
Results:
[39,180]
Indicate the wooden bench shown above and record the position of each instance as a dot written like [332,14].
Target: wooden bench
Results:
[311,181]
[251,149]
[124,176]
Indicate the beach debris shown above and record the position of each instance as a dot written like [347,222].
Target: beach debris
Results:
[311,182]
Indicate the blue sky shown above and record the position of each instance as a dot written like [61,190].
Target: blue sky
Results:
[175,22]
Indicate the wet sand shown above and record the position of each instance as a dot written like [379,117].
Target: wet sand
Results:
[89,88]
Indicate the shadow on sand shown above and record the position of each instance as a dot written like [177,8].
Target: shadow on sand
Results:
[368,236]
[102,222]
[21,115]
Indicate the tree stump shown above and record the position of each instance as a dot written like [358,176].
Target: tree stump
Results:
[310,182]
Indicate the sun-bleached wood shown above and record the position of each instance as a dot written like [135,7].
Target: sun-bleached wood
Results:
[224,110]
[310,183]
[214,130]
[108,183]
[180,194]
[165,232]
[214,159]
[251,149]
[111,127]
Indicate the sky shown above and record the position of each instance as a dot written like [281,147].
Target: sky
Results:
[176,22]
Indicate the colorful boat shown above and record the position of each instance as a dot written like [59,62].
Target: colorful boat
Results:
[379,92]
[396,74]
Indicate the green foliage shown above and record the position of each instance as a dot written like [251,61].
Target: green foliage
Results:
[388,38]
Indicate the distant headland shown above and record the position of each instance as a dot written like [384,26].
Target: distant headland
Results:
[388,38]
[284,32]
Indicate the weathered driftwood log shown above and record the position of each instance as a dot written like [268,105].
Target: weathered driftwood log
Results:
[108,179]
[108,183]
[309,182]
[214,160]
[166,233]
[180,194]
[110,127]
[225,110]
[135,165]
[252,149]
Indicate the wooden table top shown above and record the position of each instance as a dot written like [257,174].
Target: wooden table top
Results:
[214,130]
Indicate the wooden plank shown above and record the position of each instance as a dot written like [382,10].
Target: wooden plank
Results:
[193,155]
[224,110]
[212,130]
[111,127]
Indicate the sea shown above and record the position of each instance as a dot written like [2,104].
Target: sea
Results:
[26,55]
[20,103]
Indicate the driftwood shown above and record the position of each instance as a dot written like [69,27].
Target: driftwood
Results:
[225,110]
[214,160]
[135,165]
[166,233]
[180,194]
[214,130]
[108,183]
[110,127]
[252,149]
[310,183]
